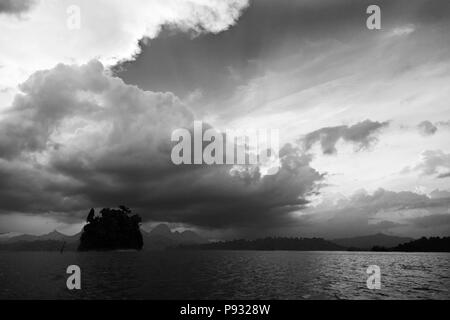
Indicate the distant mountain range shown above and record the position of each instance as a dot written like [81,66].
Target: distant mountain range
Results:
[432,244]
[293,244]
[159,238]
[361,243]
[370,241]
[52,241]
[396,244]
[54,235]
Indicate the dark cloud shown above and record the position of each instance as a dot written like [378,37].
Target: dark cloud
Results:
[206,196]
[48,99]
[67,118]
[78,138]
[426,128]
[218,64]
[15,6]
[444,175]
[362,135]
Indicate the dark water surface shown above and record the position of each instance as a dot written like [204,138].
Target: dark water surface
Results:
[224,275]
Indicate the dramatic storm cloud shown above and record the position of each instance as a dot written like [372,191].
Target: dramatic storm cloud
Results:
[68,119]
[78,138]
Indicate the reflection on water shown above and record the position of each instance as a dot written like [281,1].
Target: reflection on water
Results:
[224,275]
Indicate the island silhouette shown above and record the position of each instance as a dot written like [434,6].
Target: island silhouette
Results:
[113,229]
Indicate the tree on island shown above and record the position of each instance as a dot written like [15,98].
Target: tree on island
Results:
[113,229]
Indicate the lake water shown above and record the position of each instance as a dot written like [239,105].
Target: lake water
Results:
[224,275]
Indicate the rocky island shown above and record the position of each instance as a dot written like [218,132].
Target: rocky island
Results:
[111,230]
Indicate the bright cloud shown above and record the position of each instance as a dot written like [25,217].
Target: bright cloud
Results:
[109,30]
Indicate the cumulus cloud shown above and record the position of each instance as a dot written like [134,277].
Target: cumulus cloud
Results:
[67,119]
[361,134]
[15,6]
[77,138]
[427,128]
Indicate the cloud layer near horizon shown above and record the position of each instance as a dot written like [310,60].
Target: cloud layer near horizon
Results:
[405,212]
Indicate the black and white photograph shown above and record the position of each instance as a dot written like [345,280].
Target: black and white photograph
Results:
[224,150]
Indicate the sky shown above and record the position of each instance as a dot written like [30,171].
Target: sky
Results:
[87,112]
